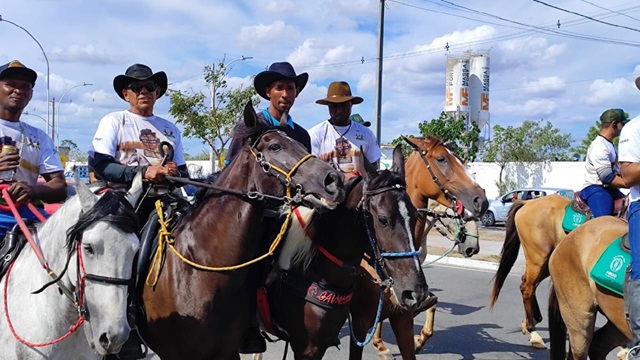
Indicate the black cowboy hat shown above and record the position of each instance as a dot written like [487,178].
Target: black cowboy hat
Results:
[139,72]
[277,71]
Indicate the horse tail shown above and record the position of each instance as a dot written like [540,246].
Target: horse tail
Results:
[509,254]
[557,327]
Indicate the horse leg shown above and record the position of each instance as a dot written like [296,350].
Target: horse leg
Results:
[528,289]
[427,329]
[402,325]
[606,339]
[383,352]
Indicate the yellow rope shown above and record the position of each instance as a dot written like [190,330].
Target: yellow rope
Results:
[164,237]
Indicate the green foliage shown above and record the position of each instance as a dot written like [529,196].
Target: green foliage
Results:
[532,142]
[461,137]
[75,154]
[212,123]
[406,149]
[594,130]
[202,156]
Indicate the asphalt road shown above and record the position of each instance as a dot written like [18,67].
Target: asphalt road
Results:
[465,327]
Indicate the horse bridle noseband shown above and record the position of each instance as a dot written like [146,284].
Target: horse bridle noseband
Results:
[378,256]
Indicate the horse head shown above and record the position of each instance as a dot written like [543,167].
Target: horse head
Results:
[103,244]
[435,172]
[392,218]
[306,179]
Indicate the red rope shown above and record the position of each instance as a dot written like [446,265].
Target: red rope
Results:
[72,329]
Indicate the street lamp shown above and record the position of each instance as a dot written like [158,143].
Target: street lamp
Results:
[36,115]
[45,58]
[53,121]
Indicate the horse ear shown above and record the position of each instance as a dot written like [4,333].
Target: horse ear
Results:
[249,114]
[398,161]
[284,118]
[87,197]
[135,190]
[413,142]
[370,170]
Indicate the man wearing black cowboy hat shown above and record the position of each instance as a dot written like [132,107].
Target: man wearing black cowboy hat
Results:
[127,142]
[280,86]
[338,140]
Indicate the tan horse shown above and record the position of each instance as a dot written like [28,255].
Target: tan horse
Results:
[579,299]
[432,172]
[537,226]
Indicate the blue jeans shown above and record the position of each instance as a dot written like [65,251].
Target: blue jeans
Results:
[7,221]
[634,238]
[600,199]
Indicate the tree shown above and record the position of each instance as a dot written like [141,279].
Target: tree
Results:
[212,123]
[529,143]
[75,154]
[460,138]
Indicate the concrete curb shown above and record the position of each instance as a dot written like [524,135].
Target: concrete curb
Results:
[452,261]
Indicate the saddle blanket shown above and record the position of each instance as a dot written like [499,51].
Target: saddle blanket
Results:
[572,219]
[610,268]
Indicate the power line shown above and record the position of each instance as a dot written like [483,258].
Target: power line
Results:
[585,16]
[612,11]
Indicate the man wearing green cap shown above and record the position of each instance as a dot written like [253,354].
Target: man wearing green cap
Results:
[602,171]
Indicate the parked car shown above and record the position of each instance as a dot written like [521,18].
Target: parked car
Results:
[499,208]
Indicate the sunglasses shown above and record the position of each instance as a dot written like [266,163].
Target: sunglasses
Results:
[137,88]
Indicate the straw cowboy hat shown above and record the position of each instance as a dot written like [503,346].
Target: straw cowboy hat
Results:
[277,71]
[339,92]
[139,72]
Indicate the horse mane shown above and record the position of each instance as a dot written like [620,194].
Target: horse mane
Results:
[112,207]
[433,141]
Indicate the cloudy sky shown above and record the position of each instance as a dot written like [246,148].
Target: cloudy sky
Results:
[563,66]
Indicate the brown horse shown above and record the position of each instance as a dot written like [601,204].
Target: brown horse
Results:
[200,313]
[537,225]
[309,299]
[579,299]
[432,172]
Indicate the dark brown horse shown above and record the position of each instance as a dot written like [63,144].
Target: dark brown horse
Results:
[195,313]
[575,299]
[310,298]
[433,172]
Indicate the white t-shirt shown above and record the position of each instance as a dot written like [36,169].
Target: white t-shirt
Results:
[134,140]
[340,145]
[629,149]
[601,157]
[37,152]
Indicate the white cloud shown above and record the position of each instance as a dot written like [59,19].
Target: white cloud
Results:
[265,36]
[83,53]
[603,93]
[549,86]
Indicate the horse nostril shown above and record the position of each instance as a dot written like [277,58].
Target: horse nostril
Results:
[331,182]
[480,205]
[104,341]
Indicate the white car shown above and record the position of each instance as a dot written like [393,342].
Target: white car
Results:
[499,208]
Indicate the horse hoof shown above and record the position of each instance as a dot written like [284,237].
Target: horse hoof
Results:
[622,354]
[256,356]
[417,344]
[536,341]
[524,328]
[385,355]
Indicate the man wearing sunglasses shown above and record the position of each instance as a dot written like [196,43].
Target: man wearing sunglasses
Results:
[127,142]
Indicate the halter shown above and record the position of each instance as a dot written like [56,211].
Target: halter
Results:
[76,296]
[387,280]
[455,204]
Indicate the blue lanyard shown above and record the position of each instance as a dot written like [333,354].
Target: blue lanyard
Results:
[275,121]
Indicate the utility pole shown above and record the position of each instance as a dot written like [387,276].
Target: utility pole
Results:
[53,120]
[379,75]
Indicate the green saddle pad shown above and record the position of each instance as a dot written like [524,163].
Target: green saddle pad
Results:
[610,268]
[572,219]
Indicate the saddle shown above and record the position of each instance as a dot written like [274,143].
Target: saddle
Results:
[578,204]
[11,246]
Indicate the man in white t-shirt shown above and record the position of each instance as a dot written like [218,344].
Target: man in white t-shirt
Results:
[629,146]
[128,142]
[338,140]
[602,179]
[27,152]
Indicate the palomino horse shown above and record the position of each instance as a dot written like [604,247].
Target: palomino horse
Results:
[197,306]
[579,298]
[432,172]
[95,260]
[309,299]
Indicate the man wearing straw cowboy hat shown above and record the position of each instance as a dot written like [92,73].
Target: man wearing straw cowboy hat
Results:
[629,158]
[338,140]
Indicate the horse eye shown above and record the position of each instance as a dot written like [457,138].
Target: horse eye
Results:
[384,221]
[275,147]
[441,159]
[88,249]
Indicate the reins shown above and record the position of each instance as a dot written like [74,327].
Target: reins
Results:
[165,238]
